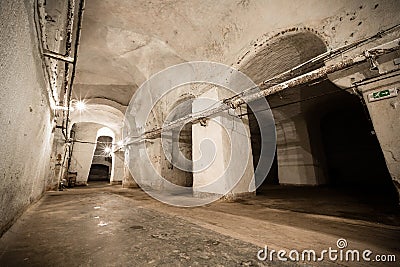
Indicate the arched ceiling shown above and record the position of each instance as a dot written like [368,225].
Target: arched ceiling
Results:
[100,114]
[283,53]
[124,42]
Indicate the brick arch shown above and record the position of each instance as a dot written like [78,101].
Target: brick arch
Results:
[281,52]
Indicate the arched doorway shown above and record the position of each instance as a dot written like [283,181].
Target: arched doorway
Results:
[326,148]
[353,157]
[100,169]
[282,53]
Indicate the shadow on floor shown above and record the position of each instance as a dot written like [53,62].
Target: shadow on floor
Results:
[368,204]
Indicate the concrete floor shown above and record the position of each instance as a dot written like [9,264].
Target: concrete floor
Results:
[103,225]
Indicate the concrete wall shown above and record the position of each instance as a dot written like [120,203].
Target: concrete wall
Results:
[25,115]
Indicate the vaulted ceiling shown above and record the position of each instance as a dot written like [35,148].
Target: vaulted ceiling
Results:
[124,42]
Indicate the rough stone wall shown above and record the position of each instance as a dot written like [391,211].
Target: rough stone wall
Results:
[25,115]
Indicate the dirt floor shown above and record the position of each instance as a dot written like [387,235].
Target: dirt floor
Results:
[102,225]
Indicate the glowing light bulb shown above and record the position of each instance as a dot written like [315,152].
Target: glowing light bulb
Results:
[107,150]
[80,105]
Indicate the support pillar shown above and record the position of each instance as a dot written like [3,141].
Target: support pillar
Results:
[128,181]
[222,157]
[118,168]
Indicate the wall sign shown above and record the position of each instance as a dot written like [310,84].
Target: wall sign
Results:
[383,94]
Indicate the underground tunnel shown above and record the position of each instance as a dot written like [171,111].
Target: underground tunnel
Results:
[199,133]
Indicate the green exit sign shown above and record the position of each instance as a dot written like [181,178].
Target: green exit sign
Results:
[383,94]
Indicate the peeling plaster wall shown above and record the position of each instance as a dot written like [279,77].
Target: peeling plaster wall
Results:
[52,19]
[25,116]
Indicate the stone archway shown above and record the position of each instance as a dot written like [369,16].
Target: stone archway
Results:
[93,119]
[280,54]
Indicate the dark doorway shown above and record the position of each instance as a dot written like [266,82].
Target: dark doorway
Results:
[354,158]
[185,147]
[100,169]
[99,172]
